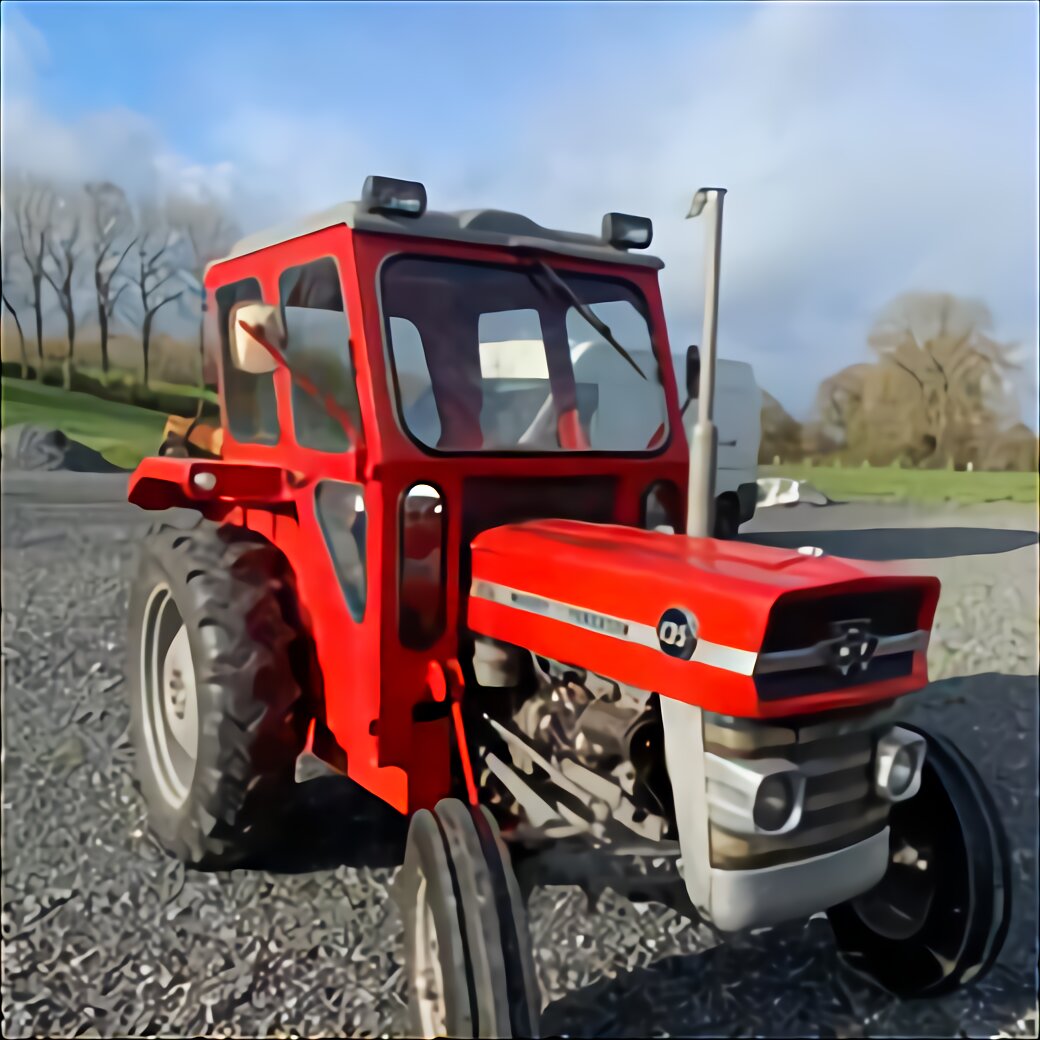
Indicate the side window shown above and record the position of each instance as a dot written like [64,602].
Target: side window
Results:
[341,513]
[423,527]
[251,410]
[318,348]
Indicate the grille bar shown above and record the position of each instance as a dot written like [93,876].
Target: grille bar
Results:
[818,656]
[836,757]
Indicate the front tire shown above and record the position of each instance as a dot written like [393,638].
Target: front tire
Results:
[938,918]
[216,710]
[467,947]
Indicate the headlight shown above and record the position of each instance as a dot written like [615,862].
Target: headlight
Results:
[897,769]
[774,803]
[754,796]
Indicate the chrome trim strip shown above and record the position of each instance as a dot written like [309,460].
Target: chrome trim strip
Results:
[716,655]
[815,656]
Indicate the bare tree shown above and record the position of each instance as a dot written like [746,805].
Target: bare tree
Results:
[208,233]
[155,267]
[7,295]
[63,247]
[33,206]
[950,375]
[111,222]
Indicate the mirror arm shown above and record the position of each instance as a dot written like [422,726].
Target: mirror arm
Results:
[326,400]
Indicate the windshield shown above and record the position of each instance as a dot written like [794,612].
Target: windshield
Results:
[495,358]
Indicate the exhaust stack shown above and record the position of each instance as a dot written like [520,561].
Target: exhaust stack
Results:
[700,506]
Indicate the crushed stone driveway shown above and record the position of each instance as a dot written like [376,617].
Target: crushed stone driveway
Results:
[105,935]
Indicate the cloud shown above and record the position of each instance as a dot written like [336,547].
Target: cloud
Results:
[868,151]
[858,167]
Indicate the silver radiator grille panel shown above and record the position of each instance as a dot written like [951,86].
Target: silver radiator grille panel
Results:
[835,755]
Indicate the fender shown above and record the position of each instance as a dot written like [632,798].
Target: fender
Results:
[212,487]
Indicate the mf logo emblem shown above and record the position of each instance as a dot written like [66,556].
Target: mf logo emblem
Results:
[852,646]
[677,633]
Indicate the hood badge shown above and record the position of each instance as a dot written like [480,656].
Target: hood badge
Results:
[677,633]
[851,647]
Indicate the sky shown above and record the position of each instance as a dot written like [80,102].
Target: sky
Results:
[868,149]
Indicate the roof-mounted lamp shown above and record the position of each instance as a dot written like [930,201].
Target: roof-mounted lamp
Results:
[390,195]
[624,231]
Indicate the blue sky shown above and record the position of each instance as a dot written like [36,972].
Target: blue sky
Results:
[869,149]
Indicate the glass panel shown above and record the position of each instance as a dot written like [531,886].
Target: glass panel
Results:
[423,523]
[318,348]
[630,409]
[249,399]
[500,359]
[341,513]
[418,405]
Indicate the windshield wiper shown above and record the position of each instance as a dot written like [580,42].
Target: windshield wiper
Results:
[587,313]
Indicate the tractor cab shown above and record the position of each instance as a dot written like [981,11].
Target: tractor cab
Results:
[394,381]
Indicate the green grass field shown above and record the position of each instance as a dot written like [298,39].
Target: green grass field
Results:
[889,483]
[122,433]
[125,433]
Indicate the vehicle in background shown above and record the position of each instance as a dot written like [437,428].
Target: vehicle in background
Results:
[738,416]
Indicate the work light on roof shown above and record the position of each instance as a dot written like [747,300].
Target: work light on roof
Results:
[624,231]
[389,195]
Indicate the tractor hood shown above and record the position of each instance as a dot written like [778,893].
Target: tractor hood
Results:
[735,628]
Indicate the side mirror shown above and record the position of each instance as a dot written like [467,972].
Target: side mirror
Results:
[248,354]
[693,372]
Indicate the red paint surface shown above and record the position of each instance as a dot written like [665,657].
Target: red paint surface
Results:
[368,681]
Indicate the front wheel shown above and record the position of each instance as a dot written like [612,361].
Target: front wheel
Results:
[939,916]
[467,949]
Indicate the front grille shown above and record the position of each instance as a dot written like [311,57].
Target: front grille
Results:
[800,682]
[876,632]
[837,758]
[797,621]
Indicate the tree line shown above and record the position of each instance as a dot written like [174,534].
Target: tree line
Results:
[939,392]
[88,252]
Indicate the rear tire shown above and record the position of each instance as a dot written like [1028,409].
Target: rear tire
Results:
[216,710]
[467,947]
[938,918]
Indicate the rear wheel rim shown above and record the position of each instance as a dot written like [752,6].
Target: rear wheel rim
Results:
[427,975]
[169,697]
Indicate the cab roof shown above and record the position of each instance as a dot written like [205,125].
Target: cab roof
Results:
[493,227]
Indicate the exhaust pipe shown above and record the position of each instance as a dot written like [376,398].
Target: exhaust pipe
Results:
[700,505]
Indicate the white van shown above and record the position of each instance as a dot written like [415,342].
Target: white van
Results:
[738,417]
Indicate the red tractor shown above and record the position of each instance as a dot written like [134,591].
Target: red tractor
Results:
[429,554]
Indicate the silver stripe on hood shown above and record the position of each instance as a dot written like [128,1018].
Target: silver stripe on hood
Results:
[728,658]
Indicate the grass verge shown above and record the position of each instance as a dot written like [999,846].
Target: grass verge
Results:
[122,433]
[847,483]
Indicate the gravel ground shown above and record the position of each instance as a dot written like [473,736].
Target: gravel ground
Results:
[104,935]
